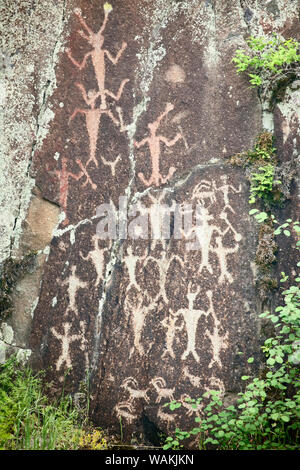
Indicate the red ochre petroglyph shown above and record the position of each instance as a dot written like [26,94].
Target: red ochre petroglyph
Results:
[92,113]
[153,142]
[64,175]
[93,116]
[97,54]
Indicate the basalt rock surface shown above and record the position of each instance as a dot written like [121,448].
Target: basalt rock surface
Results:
[136,104]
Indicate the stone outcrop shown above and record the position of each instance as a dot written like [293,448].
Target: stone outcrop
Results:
[139,100]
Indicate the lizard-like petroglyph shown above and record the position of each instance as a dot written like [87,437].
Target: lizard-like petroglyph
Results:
[93,113]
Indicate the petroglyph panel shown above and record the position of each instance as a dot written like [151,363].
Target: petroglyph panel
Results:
[148,106]
[181,299]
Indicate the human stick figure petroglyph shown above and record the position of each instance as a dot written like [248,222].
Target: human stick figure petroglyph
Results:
[66,340]
[208,237]
[218,341]
[222,253]
[170,323]
[93,117]
[64,176]
[74,284]
[111,164]
[97,257]
[191,318]
[97,53]
[153,142]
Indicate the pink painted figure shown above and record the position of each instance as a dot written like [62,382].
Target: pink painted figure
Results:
[64,176]
[93,116]
[97,55]
[153,142]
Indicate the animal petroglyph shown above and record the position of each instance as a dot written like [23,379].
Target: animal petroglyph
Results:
[162,391]
[166,417]
[190,407]
[125,410]
[131,386]
[194,380]
[153,142]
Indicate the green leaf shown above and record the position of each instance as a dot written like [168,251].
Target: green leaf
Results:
[250,360]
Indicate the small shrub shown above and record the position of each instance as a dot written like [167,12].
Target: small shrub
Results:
[270,63]
[94,440]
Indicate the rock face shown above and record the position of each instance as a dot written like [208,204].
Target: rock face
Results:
[145,111]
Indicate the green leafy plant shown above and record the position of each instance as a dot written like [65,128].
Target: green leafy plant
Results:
[30,421]
[266,414]
[267,61]
[262,183]
[261,170]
